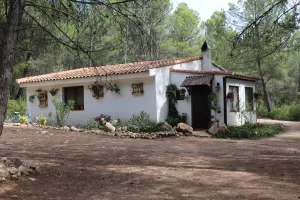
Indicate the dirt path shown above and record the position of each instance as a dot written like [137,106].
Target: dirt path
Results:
[79,166]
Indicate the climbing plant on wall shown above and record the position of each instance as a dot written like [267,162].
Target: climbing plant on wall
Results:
[173,118]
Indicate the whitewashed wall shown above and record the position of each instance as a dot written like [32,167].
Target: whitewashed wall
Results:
[119,106]
[162,80]
[239,118]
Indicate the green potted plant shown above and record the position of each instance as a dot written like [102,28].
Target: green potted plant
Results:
[23,119]
[31,98]
[212,97]
[53,91]
[41,120]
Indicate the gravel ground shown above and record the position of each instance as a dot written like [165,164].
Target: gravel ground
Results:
[79,166]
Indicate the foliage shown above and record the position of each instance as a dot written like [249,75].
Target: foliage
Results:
[24,118]
[143,123]
[171,96]
[173,121]
[91,124]
[230,96]
[62,110]
[281,112]
[212,97]
[251,131]
[31,98]
[16,106]
[53,91]
[106,118]
[41,119]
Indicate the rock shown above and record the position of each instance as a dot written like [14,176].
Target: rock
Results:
[109,127]
[44,132]
[167,126]
[217,128]
[66,128]
[3,159]
[184,128]
[23,170]
[73,128]
[4,172]
[32,179]
[13,170]
[2,179]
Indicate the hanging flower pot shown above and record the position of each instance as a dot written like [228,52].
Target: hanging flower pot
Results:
[53,91]
[230,96]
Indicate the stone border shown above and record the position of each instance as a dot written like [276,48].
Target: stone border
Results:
[121,134]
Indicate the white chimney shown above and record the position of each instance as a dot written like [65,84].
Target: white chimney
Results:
[207,58]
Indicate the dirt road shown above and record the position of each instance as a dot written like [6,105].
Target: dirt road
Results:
[80,166]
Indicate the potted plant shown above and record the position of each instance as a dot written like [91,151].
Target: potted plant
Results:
[31,98]
[53,91]
[41,120]
[230,96]
[38,90]
[212,97]
[23,119]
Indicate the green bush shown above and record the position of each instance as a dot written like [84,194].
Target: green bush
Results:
[283,112]
[16,106]
[294,112]
[62,110]
[143,123]
[251,131]
[92,124]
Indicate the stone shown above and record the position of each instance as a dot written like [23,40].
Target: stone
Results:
[167,126]
[109,127]
[66,128]
[13,170]
[32,179]
[44,132]
[2,179]
[217,128]
[23,170]
[3,159]
[73,128]
[4,172]
[184,128]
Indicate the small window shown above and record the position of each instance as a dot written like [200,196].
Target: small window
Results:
[180,94]
[43,99]
[137,89]
[249,98]
[75,94]
[234,103]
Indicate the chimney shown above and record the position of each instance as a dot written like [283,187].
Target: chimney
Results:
[207,59]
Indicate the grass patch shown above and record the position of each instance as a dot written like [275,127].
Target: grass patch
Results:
[251,131]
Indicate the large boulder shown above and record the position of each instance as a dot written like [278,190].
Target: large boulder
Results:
[109,127]
[184,128]
[217,128]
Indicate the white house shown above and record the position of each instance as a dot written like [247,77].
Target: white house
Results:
[141,86]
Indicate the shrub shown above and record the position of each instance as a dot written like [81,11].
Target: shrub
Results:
[18,105]
[106,118]
[24,118]
[143,123]
[41,119]
[91,125]
[294,112]
[62,110]
[173,121]
[251,131]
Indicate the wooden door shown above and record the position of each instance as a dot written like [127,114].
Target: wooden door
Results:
[201,115]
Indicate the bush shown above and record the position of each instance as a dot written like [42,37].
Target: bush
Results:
[173,121]
[143,123]
[283,112]
[92,124]
[16,106]
[251,131]
[62,110]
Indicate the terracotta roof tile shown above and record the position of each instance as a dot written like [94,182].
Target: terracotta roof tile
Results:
[117,69]
[229,74]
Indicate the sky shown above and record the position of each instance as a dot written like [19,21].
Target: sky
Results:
[205,8]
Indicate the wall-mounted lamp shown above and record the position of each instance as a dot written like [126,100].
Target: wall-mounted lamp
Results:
[218,87]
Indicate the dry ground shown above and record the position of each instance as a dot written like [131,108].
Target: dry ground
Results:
[79,166]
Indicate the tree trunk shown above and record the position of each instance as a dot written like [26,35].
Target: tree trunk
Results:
[264,86]
[7,53]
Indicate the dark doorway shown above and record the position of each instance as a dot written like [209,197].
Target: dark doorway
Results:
[201,115]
